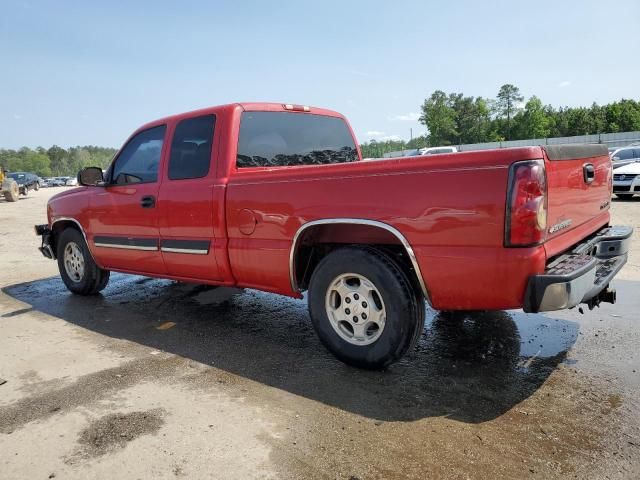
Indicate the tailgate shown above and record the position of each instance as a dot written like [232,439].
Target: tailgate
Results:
[579,187]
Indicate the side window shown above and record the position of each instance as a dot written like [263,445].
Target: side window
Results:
[278,139]
[191,148]
[139,160]
[636,152]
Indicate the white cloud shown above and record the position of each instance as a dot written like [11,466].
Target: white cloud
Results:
[564,84]
[375,133]
[408,117]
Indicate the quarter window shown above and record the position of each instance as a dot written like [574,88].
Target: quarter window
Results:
[139,160]
[277,139]
[191,148]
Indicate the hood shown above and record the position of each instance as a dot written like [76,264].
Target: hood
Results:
[68,193]
[629,169]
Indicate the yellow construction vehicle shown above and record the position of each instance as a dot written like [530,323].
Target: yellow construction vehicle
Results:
[8,186]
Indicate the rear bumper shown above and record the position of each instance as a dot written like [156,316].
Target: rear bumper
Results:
[581,275]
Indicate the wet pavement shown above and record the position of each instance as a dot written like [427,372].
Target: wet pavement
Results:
[516,376]
[497,359]
[160,379]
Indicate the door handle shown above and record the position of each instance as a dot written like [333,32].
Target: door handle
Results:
[589,173]
[148,201]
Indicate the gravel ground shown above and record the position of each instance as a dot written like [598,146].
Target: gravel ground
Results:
[160,379]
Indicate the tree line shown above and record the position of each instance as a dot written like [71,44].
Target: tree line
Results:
[451,119]
[455,119]
[56,161]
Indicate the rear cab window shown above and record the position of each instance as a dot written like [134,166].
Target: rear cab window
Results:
[285,139]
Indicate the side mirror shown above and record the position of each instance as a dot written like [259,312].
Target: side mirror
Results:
[91,177]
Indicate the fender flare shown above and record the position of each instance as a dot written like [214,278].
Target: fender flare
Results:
[86,240]
[355,221]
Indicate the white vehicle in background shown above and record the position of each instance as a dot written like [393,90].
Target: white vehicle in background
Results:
[71,181]
[57,182]
[625,155]
[436,150]
[626,180]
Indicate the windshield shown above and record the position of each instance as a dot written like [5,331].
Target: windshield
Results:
[626,154]
[17,176]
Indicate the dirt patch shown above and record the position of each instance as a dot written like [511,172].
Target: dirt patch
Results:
[116,430]
[84,391]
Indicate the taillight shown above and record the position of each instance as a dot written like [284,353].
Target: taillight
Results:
[526,216]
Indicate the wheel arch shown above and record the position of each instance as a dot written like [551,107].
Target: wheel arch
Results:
[61,224]
[336,232]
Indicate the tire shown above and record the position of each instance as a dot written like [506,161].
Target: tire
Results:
[25,191]
[12,193]
[36,187]
[333,287]
[624,196]
[87,280]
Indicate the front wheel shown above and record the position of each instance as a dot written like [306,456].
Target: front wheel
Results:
[364,308]
[79,272]
[11,191]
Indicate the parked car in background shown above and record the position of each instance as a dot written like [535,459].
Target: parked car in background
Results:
[71,182]
[625,155]
[626,180]
[437,150]
[57,182]
[26,181]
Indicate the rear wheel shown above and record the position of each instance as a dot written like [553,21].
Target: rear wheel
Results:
[364,308]
[36,187]
[624,196]
[11,192]
[79,272]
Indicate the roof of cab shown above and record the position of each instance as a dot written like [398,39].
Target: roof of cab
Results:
[246,106]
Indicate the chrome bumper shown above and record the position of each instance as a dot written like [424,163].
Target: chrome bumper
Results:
[581,275]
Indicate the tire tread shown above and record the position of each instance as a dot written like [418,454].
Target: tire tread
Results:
[414,300]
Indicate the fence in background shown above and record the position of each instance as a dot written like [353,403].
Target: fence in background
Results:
[620,139]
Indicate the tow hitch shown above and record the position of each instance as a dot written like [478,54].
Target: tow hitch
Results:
[608,295]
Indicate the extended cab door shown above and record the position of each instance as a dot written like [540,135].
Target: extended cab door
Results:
[123,217]
[189,202]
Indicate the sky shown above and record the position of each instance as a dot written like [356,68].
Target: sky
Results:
[89,73]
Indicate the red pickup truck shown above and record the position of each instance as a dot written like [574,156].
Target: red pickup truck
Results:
[275,197]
